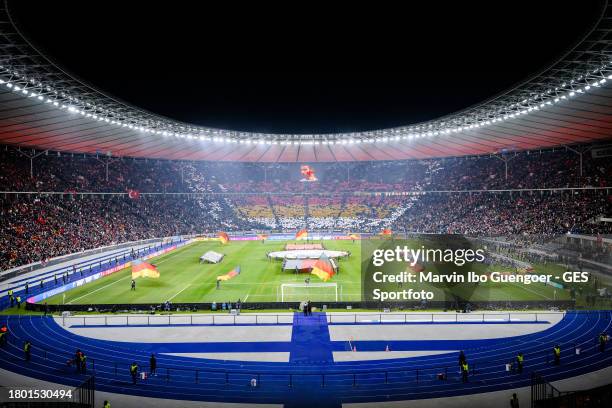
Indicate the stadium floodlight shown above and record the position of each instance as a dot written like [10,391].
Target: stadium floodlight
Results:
[543,97]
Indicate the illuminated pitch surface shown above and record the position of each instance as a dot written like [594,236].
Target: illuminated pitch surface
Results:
[184,280]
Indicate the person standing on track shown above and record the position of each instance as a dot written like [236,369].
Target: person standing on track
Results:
[557,354]
[27,350]
[603,339]
[519,362]
[3,335]
[134,372]
[77,360]
[465,369]
[83,363]
[153,364]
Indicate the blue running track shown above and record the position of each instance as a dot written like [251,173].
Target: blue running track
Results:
[310,378]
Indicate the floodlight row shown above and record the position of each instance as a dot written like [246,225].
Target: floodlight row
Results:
[46,94]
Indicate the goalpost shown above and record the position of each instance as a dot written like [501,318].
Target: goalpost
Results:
[297,292]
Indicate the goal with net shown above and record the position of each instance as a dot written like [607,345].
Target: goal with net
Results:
[319,292]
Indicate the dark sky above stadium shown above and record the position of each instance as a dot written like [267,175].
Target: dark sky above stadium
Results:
[302,68]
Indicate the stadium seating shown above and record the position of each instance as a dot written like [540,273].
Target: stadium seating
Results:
[526,170]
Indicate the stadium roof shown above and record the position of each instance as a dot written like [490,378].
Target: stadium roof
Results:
[43,107]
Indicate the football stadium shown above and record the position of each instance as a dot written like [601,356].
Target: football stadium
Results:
[460,259]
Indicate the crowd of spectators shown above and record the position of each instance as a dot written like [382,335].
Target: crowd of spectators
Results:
[501,214]
[36,228]
[558,168]
[197,197]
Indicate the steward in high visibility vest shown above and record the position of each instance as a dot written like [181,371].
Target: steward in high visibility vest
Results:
[18,302]
[603,339]
[519,362]
[464,371]
[134,372]
[11,297]
[106,404]
[27,350]
[557,354]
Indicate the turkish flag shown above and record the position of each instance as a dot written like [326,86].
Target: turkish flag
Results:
[134,194]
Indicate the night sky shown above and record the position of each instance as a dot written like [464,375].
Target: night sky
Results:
[301,68]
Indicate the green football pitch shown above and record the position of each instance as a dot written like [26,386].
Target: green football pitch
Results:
[183,279]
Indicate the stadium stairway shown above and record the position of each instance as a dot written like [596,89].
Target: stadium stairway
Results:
[310,377]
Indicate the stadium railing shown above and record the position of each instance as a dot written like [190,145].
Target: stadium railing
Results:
[407,306]
[545,395]
[219,319]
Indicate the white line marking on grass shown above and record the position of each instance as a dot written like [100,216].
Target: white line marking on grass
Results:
[245,298]
[103,287]
[165,256]
[529,290]
[188,285]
